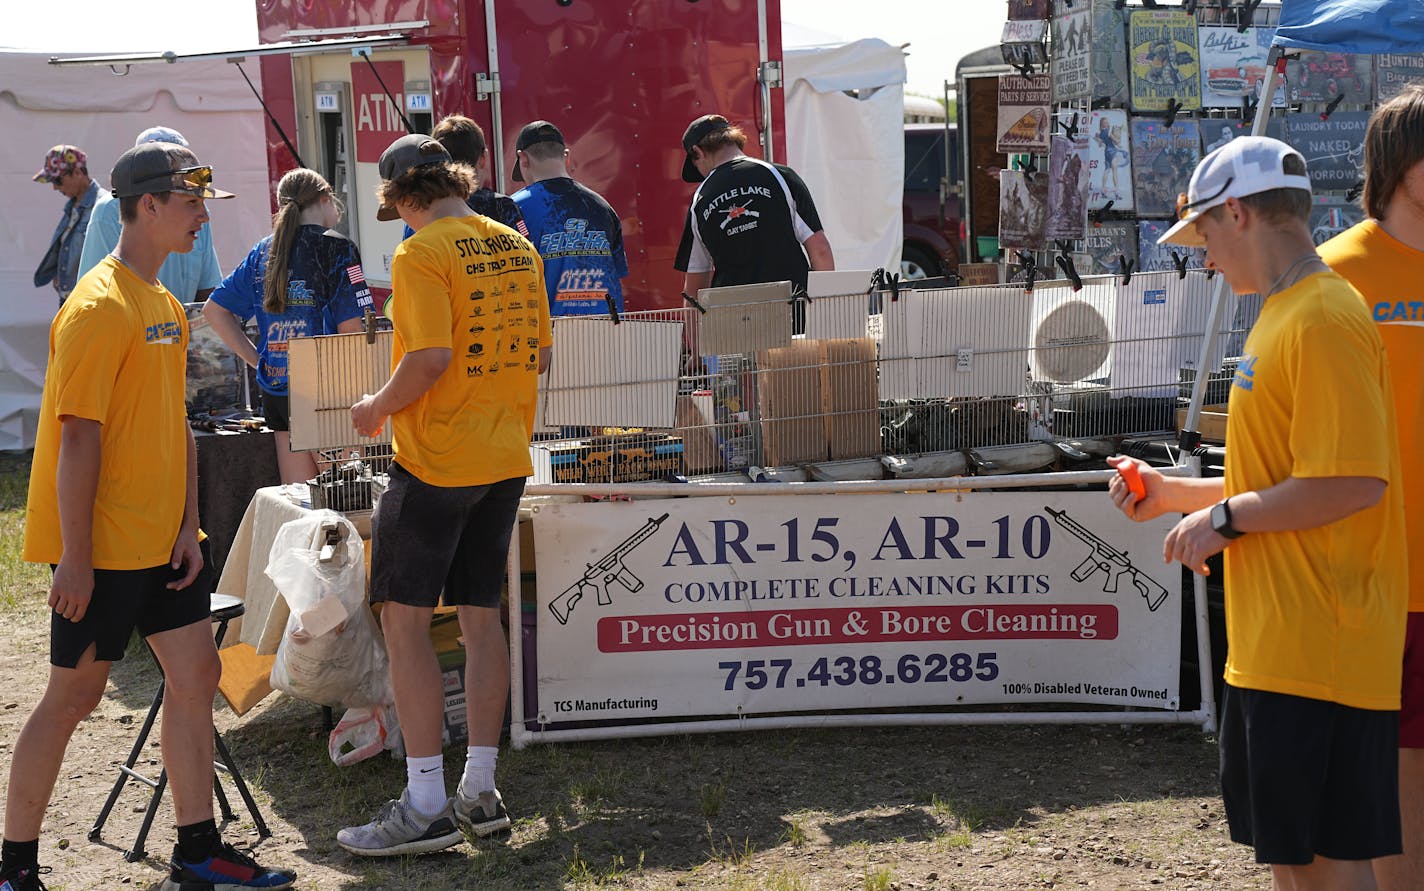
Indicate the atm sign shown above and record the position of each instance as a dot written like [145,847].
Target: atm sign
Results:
[378,120]
[328,102]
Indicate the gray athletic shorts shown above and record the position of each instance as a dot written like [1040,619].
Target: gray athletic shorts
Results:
[427,539]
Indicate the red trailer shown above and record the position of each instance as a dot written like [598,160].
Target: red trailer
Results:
[620,78]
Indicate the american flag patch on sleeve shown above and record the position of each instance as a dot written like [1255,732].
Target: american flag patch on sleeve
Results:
[355,274]
[523,229]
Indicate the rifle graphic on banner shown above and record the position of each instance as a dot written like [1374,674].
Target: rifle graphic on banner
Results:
[600,575]
[1110,560]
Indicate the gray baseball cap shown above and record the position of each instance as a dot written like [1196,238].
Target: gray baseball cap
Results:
[157,167]
[412,151]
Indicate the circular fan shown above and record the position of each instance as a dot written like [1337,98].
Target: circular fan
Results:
[1071,343]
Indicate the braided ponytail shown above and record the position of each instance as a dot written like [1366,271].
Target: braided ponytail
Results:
[296,192]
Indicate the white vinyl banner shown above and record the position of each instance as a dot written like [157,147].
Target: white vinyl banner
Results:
[742,606]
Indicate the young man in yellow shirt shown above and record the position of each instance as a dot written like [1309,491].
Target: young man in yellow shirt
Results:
[113,507]
[1310,517]
[1383,257]
[472,334]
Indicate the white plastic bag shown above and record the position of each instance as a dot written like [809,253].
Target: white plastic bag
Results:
[331,651]
[362,733]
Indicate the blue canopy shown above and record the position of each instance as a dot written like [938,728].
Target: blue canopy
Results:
[1352,26]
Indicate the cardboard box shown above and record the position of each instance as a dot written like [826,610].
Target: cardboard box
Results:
[647,457]
[850,398]
[692,417]
[627,458]
[1211,424]
[789,400]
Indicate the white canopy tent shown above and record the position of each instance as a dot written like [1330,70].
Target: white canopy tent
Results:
[101,112]
[845,137]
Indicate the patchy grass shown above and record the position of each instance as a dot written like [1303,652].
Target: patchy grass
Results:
[20,582]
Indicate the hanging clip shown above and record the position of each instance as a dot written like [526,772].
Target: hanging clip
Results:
[1330,109]
[1249,104]
[1210,273]
[1190,7]
[1028,168]
[1097,216]
[1355,190]
[1173,106]
[887,281]
[1181,264]
[1065,262]
[695,305]
[1125,267]
[1030,266]
[612,308]
[1149,4]
[799,295]
[1119,4]
[1025,68]
[1245,14]
[1070,130]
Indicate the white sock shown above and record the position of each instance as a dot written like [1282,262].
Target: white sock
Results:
[425,781]
[479,769]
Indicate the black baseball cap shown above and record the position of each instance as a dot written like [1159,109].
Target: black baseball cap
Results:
[697,131]
[157,167]
[411,151]
[534,131]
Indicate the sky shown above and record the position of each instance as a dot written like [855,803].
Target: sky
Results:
[938,32]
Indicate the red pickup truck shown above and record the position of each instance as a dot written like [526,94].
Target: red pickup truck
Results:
[933,228]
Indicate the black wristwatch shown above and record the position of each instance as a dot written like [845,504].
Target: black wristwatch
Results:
[1221,520]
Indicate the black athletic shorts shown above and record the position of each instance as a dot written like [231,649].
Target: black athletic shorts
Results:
[125,599]
[426,539]
[1302,777]
[277,412]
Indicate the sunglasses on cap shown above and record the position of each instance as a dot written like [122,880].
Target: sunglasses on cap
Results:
[1185,207]
[184,179]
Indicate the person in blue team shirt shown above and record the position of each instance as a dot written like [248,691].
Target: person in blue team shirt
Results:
[577,233]
[303,280]
[190,277]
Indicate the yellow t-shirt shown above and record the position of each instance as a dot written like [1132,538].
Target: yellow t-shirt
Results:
[1390,276]
[1320,612]
[476,288]
[117,355]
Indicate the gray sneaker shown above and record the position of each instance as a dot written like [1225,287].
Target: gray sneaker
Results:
[484,815]
[398,829]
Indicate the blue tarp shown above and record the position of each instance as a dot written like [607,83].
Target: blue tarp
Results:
[1352,26]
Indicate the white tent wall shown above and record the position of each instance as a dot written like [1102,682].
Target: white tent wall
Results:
[89,106]
[850,149]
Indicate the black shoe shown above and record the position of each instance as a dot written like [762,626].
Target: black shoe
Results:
[225,869]
[23,879]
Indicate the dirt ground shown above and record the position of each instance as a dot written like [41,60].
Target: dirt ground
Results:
[907,808]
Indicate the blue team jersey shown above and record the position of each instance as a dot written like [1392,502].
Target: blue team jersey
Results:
[325,287]
[581,240]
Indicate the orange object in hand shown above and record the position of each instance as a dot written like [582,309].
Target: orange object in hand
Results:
[1133,479]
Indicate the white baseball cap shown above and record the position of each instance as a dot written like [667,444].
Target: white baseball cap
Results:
[1244,166]
[161,134]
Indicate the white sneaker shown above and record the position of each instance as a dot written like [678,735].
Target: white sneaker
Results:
[398,829]
[484,815]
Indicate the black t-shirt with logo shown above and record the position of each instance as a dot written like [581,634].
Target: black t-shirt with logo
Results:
[747,222]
